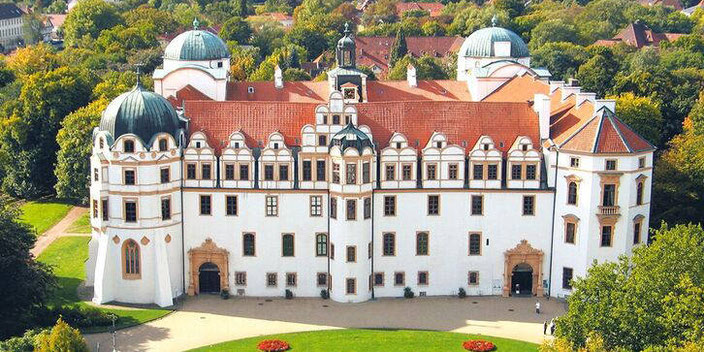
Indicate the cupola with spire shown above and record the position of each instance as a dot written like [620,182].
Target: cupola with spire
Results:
[345,50]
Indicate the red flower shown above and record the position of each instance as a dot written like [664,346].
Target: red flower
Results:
[478,346]
[273,346]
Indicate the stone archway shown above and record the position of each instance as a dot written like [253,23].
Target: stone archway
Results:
[524,253]
[208,252]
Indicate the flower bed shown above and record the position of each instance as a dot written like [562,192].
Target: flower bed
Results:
[273,346]
[478,346]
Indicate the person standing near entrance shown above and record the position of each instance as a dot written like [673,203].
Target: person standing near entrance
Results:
[545,327]
[537,307]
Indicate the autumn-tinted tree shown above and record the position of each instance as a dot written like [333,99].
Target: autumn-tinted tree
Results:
[61,338]
[32,59]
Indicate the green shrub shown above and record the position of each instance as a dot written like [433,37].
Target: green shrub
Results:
[408,293]
[62,338]
[24,343]
[289,294]
[461,293]
[324,294]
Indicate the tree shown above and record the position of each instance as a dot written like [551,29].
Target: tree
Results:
[32,26]
[163,21]
[596,75]
[696,115]
[562,59]
[236,29]
[62,338]
[295,74]
[308,37]
[382,11]
[28,283]
[58,6]
[74,139]
[427,68]
[399,48]
[555,30]
[89,18]
[640,113]
[630,303]
[242,9]
[33,59]
[433,29]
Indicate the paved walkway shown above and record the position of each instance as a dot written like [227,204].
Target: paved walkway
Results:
[58,230]
[208,319]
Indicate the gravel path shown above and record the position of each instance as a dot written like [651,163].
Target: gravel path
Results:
[58,230]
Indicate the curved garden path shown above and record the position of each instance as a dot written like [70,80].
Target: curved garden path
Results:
[58,230]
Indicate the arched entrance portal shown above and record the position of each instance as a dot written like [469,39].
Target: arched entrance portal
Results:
[522,280]
[208,278]
[523,265]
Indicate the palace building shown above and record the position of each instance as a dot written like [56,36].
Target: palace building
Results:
[500,182]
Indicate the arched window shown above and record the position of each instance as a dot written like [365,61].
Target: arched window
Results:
[639,193]
[131,260]
[422,243]
[321,245]
[287,245]
[163,144]
[102,142]
[572,193]
[128,146]
[248,244]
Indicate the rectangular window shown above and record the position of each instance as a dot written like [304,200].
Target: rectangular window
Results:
[322,140]
[240,278]
[283,172]
[452,171]
[165,175]
[105,208]
[95,209]
[95,174]
[407,173]
[129,177]
[390,172]
[367,208]
[205,171]
[248,245]
[205,205]
[570,229]
[268,172]
[475,244]
[492,172]
[636,232]
[567,278]
[399,278]
[321,245]
[130,211]
[389,244]
[478,172]
[379,279]
[351,209]
[610,165]
[609,196]
[574,162]
[641,162]
[291,279]
[271,279]
[307,170]
[477,205]
[320,170]
[165,208]
[272,206]
[422,278]
[333,208]
[316,205]
[231,205]
[335,173]
[422,243]
[351,172]
[229,172]
[351,286]
[332,251]
[528,205]
[191,171]
[389,205]
[351,254]
[516,172]
[473,278]
[287,245]
[322,279]
[431,171]
[606,236]
[530,172]
[434,205]
[244,172]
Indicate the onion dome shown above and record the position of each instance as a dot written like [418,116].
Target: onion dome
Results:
[481,42]
[196,45]
[351,137]
[139,112]
[345,50]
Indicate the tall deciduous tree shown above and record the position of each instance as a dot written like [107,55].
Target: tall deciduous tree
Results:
[88,18]
[236,29]
[642,114]
[399,49]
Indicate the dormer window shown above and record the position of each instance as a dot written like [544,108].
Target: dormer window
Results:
[524,147]
[438,144]
[398,145]
[198,145]
[237,145]
[250,90]
[220,64]
[325,120]
[348,119]
[322,140]
[276,145]
[486,146]
[128,146]
[349,93]
[335,119]
[162,144]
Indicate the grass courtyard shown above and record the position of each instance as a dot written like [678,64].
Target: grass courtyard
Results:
[81,225]
[67,256]
[372,341]
[43,214]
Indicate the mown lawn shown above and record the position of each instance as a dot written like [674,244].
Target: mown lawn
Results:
[44,214]
[373,341]
[67,255]
[81,225]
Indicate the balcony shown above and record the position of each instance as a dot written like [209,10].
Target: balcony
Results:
[609,210]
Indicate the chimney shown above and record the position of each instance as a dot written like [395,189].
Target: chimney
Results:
[554,85]
[278,78]
[573,82]
[411,76]
[541,105]
[569,90]
[582,97]
[604,103]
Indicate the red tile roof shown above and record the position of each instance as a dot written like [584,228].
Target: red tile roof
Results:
[301,92]
[434,8]
[440,90]
[187,93]
[376,50]
[639,35]
[605,133]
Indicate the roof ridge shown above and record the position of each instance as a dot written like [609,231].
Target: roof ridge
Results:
[577,131]
[634,131]
[598,132]
[620,135]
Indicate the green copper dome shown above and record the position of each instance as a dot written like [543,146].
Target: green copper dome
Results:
[196,45]
[481,43]
[140,112]
[351,137]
